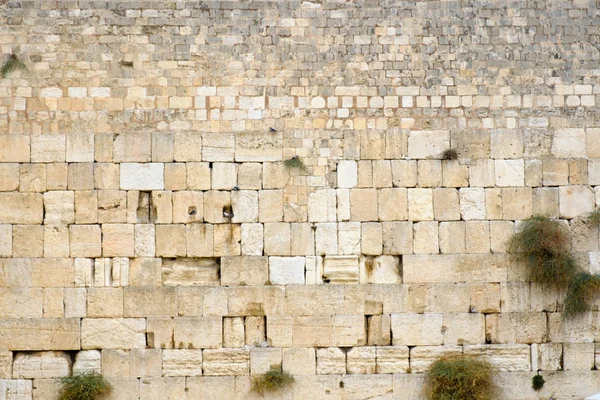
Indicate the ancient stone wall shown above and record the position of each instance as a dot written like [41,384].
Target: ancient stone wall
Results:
[193,191]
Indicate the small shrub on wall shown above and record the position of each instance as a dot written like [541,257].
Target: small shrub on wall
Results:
[274,380]
[87,386]
[460,377]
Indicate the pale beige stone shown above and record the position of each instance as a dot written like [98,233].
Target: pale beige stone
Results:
[452,237]
[420,204]
[190,272]
[182,362]
[112,206]
[428,144]
[379,330]
[454,174]
[299,360]
[9,177]
[446,204]
[392,204]
[118,333]
[404,173]
[517,203]
[226,362]
[262,360]
[246,270]
[371,238]
[425,236]
[40,334]
[341,269]
[28,241]
[105,303]
[429,173]
[331,361]
[198,332]
[47,148]
[361,360]
[198,176]
[392,360]
[382,269]
[258,146]
[227,238]
[421,357]
[322,206]
[85,240]
[21,208]
[270,207]
[46,364]
[417,329]
[117,240]
[275,175]
[575,201]
[15,148]
[504,357]
[250,176]
[88,361]
[252,239]
[397,237]
[516,327]
[188,207]
[171,240]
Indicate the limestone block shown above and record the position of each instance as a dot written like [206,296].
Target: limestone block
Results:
[452,237]
[464,328]
[472,203]
[226,362]
[317,386]
[549,356]
[363,205]
[343,204]
[80,176]
[117,240]
[218,146]
[421,357]
[9,177]
[331,361]
[277,238]
[188,207]
[170,388]
[382,174]
[106,176]
[117,333]
[32,178]
[261,360]
[245,206]
[16,389]
[176,176]
[481,173]
[517,203]
[371,238]
[347,174]
[149,302]
[15,148]
[575,201]
[509,172]
[80,147]
[112,206]
[477,237]
[159,332]
[506,143]
[56,241]
[191,301]
[45,364]
[171,240]
[429,173]
[349,238]
[365,174]
[252,239]
[555,172]
[145,363]
[190,272]
[322,206]
[198,176]
[40,334]
[254,330]
[224,176]
[503,357]
[280,330]
[187,146]
[314,270]
[361,360]
[56,176]
[103,147]
[28,241]
[417,329]
[258,146]
[217,207]
[144,240]
[392,360]
[198,332]
[6,358]
[372,145]
[199,240]
[142,176]
[227,240]
[233,332]
[85,240]
[182,362]
[250,176]
[115,362]
[246,270]
[426,237]
[569,142]
[286,270]
[145,272]
[86,207]
[105,303]
[427,144]
[420,204]
[21,208]
[59,207]
[303,239]
[576,356]
[212,387]
[533,172]
[47,148]
[299,360]
[454,174]
[275,175]
[446,204]
[87,361]
[349,330]
[396,143]
[341,269]
[392,204]
[270,205]
[397,238]
[379,330]
[380,270]
[404,173]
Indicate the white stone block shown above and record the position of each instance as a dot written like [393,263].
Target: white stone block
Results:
[575,201]
[286,270]
[427,144]
[510,172]
[136,176]
[472,203]
[88,361]
[569,143]
[347,174]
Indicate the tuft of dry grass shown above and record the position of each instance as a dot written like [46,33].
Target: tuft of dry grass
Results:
[594,218]
[12,64]
[87,386]
[542,245]
[450,154]
[460,377]
[295,162]
[582,290]
[274,380]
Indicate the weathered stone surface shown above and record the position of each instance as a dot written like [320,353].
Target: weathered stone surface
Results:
[417,329]
[258,146]
[124,333]
[226,362]
[190,272]
[198,332]
[330,361]
[361,360]
[286,270]
[247,270]
[340,269]
[40,334]
[46,364]
[504,357]
[21,208]
[87,361]
[182,362]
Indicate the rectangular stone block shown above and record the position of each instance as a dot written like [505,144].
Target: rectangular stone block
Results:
[15,148]
[417,329]
[190,272]
[198,332]
[226,362]
[118,333]
[40,334]
[21,208]
[142,176]
[258,146]
[182,362]
[245,270]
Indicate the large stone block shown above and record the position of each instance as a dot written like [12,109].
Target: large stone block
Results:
[182,362]
[258,146]
[286,270]
[21,208]
[427,144]
[245,270]
[142,176]
[46,364]
[15,148]
[190,272]
[341,269]
[118,333]
[417,329]
[504,357]
[198,332]
[40,334]
[226,362]
[149,302]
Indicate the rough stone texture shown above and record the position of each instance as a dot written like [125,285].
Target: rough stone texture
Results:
[48,364]
[149,211]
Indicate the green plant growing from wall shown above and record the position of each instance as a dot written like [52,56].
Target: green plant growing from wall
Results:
[12,64]
[537,382]
[543,245]
[295,163]
[460,377]
[86,386]
[274,380]
[594,218]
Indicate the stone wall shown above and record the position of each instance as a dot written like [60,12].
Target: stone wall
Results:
[191,192]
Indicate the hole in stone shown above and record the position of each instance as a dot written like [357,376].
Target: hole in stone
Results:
[227,212]
[192,210]
[143,209]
